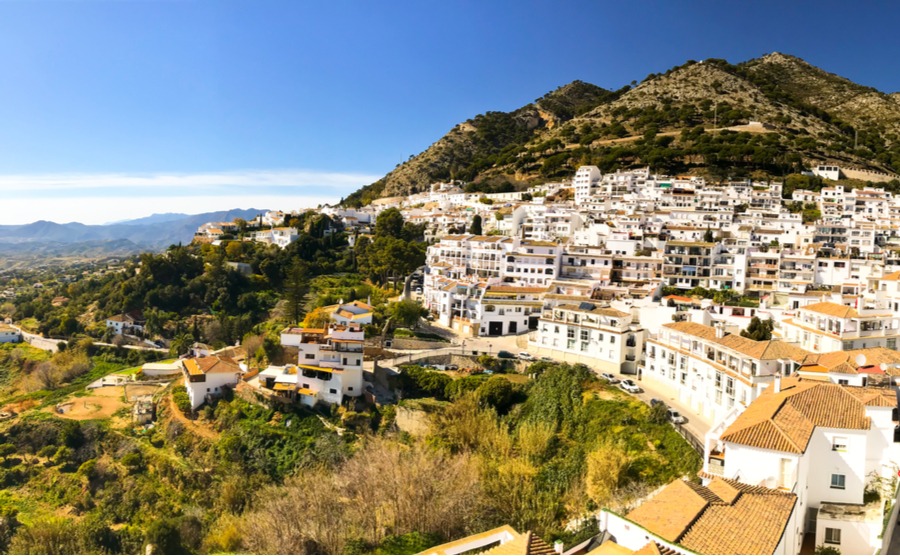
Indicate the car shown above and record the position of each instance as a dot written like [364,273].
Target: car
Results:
[655,402]
[429,317]
[675,417]
[503,354]
[452,367]
[609,378]
[418,290]
[548,359]
[629,386]
[524,355]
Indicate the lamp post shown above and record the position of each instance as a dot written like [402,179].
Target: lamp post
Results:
[462,350]
[489,349]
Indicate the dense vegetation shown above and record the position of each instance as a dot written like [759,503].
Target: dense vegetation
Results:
[501,449]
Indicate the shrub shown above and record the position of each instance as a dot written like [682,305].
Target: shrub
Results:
[181,399]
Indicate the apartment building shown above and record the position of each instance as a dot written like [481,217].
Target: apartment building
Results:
[828,326]
[603,338]
[713,371]
[688,264]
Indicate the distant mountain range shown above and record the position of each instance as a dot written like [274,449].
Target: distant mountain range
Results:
[691,119]
[149,233]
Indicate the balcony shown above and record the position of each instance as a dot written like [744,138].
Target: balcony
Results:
[716,464]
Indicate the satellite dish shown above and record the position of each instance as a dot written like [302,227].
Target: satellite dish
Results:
[860,360]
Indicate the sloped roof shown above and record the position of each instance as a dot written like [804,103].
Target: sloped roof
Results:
[523,543]
[727,517]
[785,421]
[767,349]
[211,364]
[831,309]
[833,359]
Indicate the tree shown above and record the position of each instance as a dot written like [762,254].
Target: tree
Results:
[295,290]
[317,318]
[496,392]
[708,235]
[759,330]
[389,223]
[406,312]
[475,228]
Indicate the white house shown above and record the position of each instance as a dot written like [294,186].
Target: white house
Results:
[126,323]
[355,312]
[329,365]
[8,334]
[828,444]
[207,377]
[723,517]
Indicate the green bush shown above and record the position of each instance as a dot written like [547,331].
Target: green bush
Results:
[181,399]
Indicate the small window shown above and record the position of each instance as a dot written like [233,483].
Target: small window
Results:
[838,481]
[832,535]
[310,356]
[349,388]
[332,390]
[839,444]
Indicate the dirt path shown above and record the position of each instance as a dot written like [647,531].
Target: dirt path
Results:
[195,427]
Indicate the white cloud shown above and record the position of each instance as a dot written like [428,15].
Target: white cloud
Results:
[244,178]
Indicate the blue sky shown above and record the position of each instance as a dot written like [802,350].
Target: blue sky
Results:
[122,108]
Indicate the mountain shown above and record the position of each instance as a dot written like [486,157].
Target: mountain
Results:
[153,233]
[153,219]
[692,118]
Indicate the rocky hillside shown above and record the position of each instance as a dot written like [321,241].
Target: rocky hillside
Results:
[692,118]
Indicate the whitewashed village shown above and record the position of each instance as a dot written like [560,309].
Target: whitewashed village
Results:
[650,280]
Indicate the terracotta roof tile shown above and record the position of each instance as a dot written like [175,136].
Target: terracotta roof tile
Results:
[785,421]
[831,309]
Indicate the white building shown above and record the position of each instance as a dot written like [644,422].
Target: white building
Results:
[723,517]
[603,338]
[824,442]
[329,365]
[207,378]
[126,323]
[827,326]
[586,179]
[713,371]
[8,334]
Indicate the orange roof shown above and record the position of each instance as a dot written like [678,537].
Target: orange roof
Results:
[785,421]
[831,309]
[211,364]
[727,517]
[763,350]
[874,356]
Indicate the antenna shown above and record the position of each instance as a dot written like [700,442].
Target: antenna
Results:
[860,360]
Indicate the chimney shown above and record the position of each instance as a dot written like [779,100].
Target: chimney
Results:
[558,547]
[777,384]
[720,330]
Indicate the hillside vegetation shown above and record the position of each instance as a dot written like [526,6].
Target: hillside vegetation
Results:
[674,122]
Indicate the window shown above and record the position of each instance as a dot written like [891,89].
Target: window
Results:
[838,481]
[832,535]
[570,333]
[349,388]
[332,390]
[584,335]
[310,355]
[839,444]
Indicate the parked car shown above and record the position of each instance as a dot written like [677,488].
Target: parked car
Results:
[418,290]
[547,359]
[629,386]
[524,355]
[452,367]
[675,417]
[609,378]
[655,402]
[503,354]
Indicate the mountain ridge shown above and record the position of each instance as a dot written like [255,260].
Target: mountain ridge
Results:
[139,233]
[691,118]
